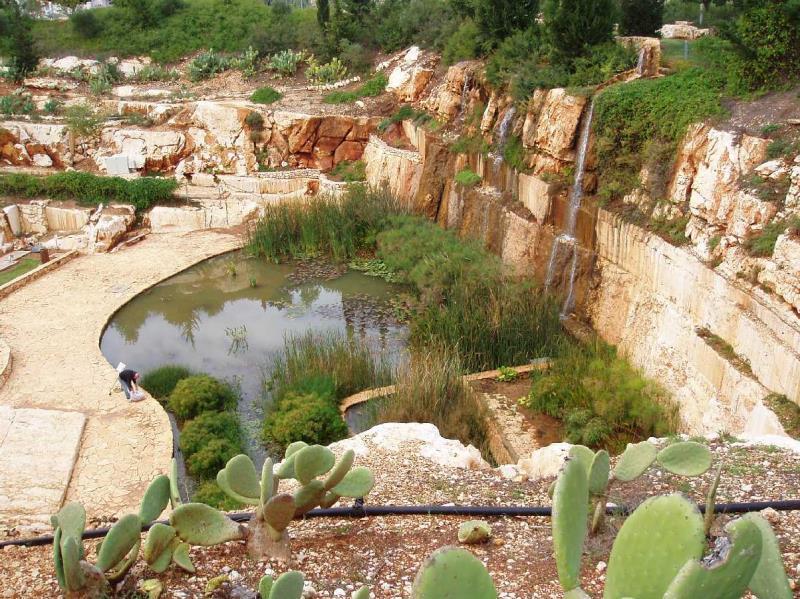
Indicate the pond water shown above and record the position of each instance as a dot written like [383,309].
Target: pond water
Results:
[232,326]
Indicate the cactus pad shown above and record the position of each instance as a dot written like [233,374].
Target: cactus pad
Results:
[71,519]
[74,578]
[311,462]
[268,486]
[636,458]
[279,511]
[362,593]
[181,558]
[264,586]
[200,524]
[174,494]
[474,531]
[652,546]
[286,467]
[570,511]
[307,496]
[293,448]
[687,458]
[119,541]
[583,455]
[158,539]
[598,472]
[726,578]
[341,468]
[453,573]
[241,476]
[356,483]
[769,580]
[289,585]
[155,499]
[58,562]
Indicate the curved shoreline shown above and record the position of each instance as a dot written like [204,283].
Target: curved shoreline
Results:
[53,326]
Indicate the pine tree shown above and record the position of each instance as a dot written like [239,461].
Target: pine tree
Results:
[497,19]
[641,17]
[323,13]
[575,25]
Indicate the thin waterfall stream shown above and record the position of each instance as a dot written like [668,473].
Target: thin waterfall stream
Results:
[502,138]
[567,237]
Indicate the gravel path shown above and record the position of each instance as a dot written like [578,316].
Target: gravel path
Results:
[53,326]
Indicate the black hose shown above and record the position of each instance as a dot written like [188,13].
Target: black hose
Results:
[436,510]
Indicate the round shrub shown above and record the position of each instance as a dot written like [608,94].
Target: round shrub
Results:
[212,458]
[197,394]
[161,382]
[309,418]
[209,426]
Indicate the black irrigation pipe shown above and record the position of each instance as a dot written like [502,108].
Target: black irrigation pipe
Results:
[437,510]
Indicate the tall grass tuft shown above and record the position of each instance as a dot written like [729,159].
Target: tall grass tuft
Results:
[431,389]
[160,382]
[328,363]
[338,228]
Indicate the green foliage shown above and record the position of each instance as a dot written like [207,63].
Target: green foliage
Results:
[374,87]
[85,23]
[336,228]
[356,57]
[286,62]
[200,431]
[52,106]
[453,572]
[89,190]
[349,172]
[106,76]
[514,153]
[248,62]
[763,243]
[17,103]
[507,374]
[783,148]
[574,26]
[497,19]
[160,382]
[310,418]
[82,121]
[265,95]
[464,44]
[603,401]
[467,177]
[766,40]
[330,72]
[16,41]
[200,393]
[641,17]
[208,492]
[627,117]
[212,456]
[154,72]
[405,113]
[431,389]
[787,412]
[402,23]
[206,65]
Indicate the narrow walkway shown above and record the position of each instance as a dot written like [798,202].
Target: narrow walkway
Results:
[53,326]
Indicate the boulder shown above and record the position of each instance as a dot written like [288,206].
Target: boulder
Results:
[545,462]
[682,30]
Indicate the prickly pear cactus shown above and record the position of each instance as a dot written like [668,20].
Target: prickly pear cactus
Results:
[570,512]
[119,541]
[636,458]
[654,543]
[155,499]
[453,573]
[769,581]
[729,571]
[687,458]
[200,524]
[598,472]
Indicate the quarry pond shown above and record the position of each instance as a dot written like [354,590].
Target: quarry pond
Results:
[228,317]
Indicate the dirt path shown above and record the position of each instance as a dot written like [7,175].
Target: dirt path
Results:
[53,326]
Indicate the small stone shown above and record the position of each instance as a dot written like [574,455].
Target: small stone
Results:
[601,566]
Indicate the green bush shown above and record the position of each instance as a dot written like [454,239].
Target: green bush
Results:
[602,400]
[200,431]
[209,493]
[286,63]
[207,64]
[467,177]
[763,243]
[403,23]
[211,458]
[355,57]
[200,393]
[17,103]
[641,17]
[349,171]
[310,418]
[89,190]
[85,23]
[160,382]
[265,95]
[374,87]
[154,72]
[574,26]
[463,44]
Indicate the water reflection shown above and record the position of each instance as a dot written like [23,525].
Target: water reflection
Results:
[212,321]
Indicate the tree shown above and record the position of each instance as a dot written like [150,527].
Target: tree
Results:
[323,13]
[497,19]
[641,17]
[16,40]
[573,26]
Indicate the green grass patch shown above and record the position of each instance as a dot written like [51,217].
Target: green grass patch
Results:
[467,177]
[265,95]
[90,190]
[349,171]
[787,412]
[406,113]
[763,243]
[19,269]
[374,87]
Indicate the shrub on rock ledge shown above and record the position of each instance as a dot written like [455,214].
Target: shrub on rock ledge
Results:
[197,394]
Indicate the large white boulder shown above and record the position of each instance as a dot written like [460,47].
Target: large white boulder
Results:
[545,462]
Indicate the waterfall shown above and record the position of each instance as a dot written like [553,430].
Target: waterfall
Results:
[464,91]
[640,62]
[502,137]
[567,237]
